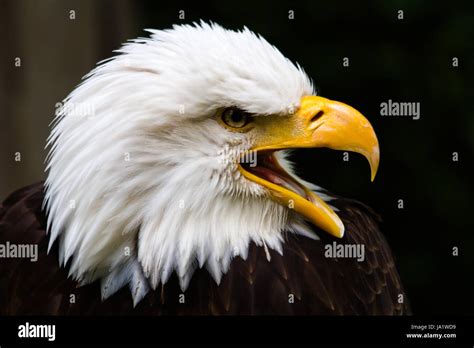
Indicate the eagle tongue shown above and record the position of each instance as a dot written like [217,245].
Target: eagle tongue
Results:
[279,179]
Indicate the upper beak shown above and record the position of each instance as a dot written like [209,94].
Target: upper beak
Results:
[319,122]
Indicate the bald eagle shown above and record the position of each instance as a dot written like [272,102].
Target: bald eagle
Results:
[169,191]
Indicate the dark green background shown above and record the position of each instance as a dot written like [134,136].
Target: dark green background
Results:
[407,60]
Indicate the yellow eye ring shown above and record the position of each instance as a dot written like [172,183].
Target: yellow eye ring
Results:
[235,118]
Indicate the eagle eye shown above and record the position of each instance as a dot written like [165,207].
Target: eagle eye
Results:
[235,118]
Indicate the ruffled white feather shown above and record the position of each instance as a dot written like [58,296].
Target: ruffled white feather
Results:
[137,189]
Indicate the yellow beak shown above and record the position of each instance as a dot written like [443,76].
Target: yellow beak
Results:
[319,122]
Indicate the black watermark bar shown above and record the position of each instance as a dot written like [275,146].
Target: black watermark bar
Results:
[290,330]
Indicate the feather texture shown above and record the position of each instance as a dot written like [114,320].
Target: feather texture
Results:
[319,285]
[136,158]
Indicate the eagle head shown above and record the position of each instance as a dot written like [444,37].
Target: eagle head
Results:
[171,156]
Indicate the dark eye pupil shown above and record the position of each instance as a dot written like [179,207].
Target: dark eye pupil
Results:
[236,116]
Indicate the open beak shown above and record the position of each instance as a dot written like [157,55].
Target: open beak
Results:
[319,122]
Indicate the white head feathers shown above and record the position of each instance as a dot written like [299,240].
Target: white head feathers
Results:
[136,187]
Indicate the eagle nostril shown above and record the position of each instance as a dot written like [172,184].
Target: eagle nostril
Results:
[317,116]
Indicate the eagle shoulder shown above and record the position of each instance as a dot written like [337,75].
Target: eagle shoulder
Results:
[301,280]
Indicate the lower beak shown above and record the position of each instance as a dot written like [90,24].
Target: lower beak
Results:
[319,122]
